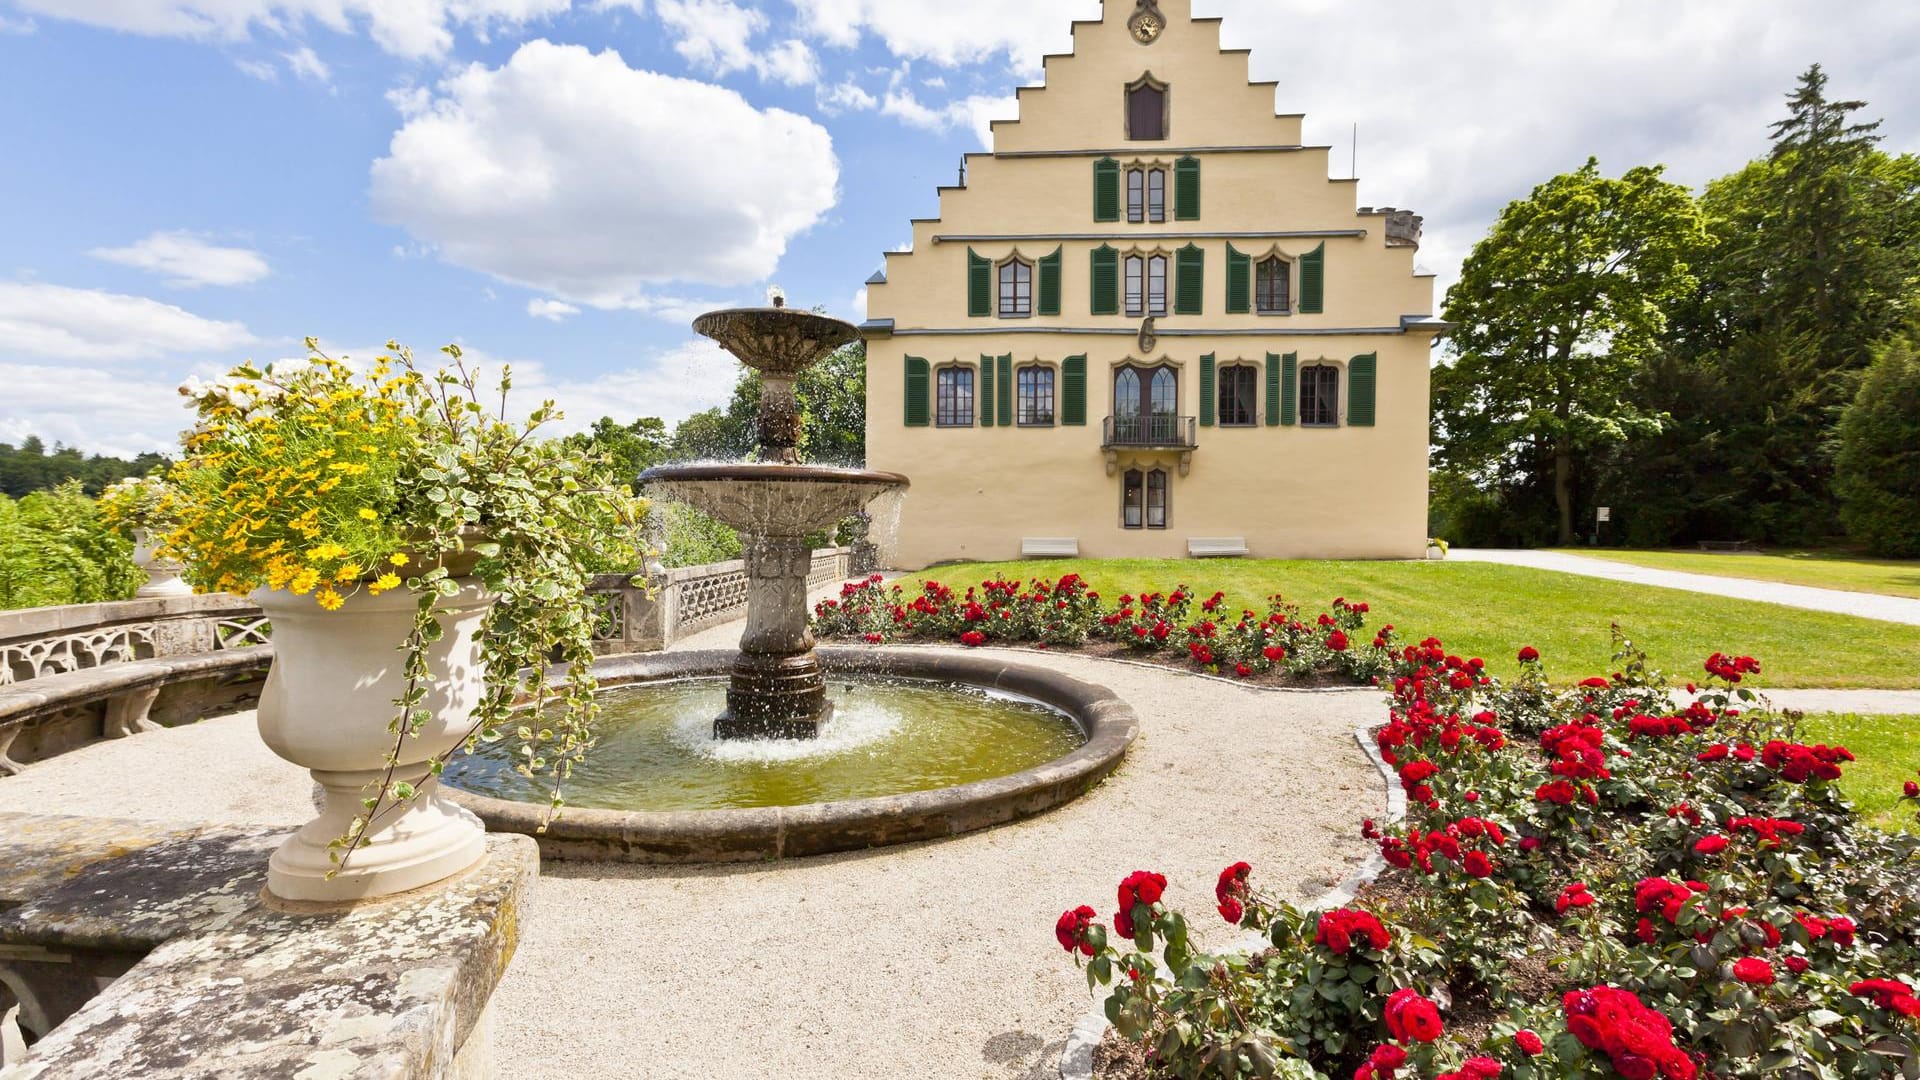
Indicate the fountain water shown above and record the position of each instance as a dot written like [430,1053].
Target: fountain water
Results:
[775,688]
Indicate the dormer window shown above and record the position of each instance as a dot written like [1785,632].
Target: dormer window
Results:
[1147,110]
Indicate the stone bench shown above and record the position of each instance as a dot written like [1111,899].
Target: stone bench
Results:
[1217,547]
[137,949]
[127,689]
[1049,547]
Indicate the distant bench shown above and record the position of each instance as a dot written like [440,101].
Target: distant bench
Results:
[1728,546]
[1217,547]
[1049,547]
[127,689]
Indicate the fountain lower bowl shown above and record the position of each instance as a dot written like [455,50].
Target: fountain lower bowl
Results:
[773,500]
[762,832]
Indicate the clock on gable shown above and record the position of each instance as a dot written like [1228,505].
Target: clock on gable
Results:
[1146,23]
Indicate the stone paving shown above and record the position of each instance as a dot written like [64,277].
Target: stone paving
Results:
[933,960]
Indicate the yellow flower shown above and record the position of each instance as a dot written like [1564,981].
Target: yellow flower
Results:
[305,580]
[346,573]
[367,514]
[329,599]
[397,559]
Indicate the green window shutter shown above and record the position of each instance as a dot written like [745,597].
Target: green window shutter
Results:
[1361,379]
[1073,391]
[1106,281]
[979,286]
[1190,280]
[1273,390]
[1206,390]
[918,377]
[1050,282]
[986,391]
[1289,387]
[1186,189]
[1313,280]
[1006,390]
[1239,282]
[1106,190]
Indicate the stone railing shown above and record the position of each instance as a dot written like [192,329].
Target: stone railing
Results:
[38,642]
[641,614]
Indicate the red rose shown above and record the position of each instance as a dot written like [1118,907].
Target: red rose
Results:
[1142,887]
[1912,789]
[1071,930]
[973,639]
[1529,1043]
[1711,845]
[1337,641]
[1528,655]
[1596,683]
[1753,971]
[1477,865]
[1480,1068]
[1411,1017]
[1796,964]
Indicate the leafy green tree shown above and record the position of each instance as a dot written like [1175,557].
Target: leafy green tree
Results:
[833,408]
[30,467]
[55,549]
[1879,459]
[631,448]
[1556,309]
[1815,261]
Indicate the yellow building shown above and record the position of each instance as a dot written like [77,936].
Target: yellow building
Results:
[1148,324]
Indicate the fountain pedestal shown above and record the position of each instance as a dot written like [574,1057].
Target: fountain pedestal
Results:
[776,691]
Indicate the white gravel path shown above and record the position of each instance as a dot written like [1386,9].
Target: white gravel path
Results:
[1897,609]
[932,960]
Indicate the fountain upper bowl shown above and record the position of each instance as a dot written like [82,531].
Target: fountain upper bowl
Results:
[777,341]
[773,500]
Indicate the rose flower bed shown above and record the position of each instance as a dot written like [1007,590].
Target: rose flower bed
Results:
[1588,882]
[1279,645]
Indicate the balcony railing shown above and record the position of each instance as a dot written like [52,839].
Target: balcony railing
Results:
[1157,431]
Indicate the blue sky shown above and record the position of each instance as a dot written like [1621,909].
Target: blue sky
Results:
[561,184]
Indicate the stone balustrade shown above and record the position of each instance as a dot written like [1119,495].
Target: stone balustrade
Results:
[642,615]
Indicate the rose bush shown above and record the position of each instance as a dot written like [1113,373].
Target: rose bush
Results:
[1068,614]
[1608,879]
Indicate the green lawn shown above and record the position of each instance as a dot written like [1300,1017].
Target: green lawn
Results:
[1889,751]
[1487,610]
[1894,577]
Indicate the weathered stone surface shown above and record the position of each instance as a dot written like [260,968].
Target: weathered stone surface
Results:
[236,986]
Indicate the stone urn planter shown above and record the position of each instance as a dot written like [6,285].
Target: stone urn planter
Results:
[163,575]
[327,703]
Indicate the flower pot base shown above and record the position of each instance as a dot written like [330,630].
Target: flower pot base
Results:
[426,840]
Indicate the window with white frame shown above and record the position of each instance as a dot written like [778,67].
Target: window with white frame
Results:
[1035,396]
[1320,395]
[953,397]
[1016,289]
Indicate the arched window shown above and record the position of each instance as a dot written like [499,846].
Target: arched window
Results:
[1147,109]
[1164,397]
[1016,289]
[1036,396]
[953,397]
[1156,195]
[1127,401]
[1136,195]
[1146,285]
[1320,395]
[1156,498]
[1238,407]
[1146,401]
[1273,281]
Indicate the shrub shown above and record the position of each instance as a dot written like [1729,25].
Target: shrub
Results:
[57,548]
[1878,467]
[1627,889]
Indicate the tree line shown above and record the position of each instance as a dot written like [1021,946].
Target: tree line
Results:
[1736,364]
[31,467]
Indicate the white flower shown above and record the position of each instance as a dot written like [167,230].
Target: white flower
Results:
[289,369]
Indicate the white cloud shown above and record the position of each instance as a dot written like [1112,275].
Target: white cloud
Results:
[791,63]
[10,25]
[97,410]
[410,28]
[551,310]
[973,113]
[307,64]
[859,305]
[259,69]
[86,324]
[950,34]
[844,97]
[715,35]
[187,260]
[671,383]
[596,183]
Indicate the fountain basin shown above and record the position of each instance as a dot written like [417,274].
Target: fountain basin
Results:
[773,500]
[762,832]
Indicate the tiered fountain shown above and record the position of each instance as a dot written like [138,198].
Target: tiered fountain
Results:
[775,690]
[917,744]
